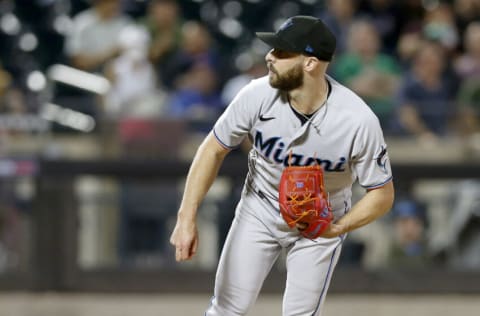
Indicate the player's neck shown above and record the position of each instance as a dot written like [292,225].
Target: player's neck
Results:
[310,97]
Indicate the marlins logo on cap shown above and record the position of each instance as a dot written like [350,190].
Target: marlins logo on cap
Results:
[286,24]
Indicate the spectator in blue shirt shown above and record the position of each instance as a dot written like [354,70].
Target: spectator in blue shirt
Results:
[425,98]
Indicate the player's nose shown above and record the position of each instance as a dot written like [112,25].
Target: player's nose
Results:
[269,57]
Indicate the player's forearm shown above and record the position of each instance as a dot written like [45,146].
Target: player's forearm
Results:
[88,63]
[201,175]
[372,206]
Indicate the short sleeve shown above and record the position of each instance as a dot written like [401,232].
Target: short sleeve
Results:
[238,118]
[370,155]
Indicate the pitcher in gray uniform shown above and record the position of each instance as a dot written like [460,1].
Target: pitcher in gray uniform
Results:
[295,115]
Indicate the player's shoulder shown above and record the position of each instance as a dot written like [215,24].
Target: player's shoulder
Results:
[261,85]
[344,97]
[348,103]
[258,90]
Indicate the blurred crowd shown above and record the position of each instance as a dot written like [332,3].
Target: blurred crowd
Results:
[416,63]
[83,66]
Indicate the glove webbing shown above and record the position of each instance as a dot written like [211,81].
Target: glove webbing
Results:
[307,199]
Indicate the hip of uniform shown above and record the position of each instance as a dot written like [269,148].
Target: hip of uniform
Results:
[255,203]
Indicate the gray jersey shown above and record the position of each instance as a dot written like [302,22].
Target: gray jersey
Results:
[343,136]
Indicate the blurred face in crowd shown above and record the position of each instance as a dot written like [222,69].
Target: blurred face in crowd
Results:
[441,14]
[408,230]
[440,24]
[429,61]
[196,38]
[285,70]
[164,13]
[363,39]
[466,8]
[472,39]
[107,8]
[206,79]
[342,9]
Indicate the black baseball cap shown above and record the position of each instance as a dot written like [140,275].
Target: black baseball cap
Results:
[302,34]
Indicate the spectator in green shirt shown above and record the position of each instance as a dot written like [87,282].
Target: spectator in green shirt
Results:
[371,74]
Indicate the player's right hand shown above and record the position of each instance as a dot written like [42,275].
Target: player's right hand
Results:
[185,239]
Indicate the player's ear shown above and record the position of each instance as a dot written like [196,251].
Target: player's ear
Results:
[310,63]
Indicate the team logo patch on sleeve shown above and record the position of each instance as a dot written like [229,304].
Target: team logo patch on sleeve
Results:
[382,159]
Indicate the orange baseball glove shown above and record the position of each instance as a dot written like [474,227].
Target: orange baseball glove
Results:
[303,201]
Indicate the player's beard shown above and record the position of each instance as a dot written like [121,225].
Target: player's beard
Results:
[288,81]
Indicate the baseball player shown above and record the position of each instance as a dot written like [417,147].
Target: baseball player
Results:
[296,115]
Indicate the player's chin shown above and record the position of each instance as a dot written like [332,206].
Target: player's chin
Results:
[274,83]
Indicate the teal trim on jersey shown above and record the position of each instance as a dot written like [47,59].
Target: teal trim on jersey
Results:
[375,186]
[222,143]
